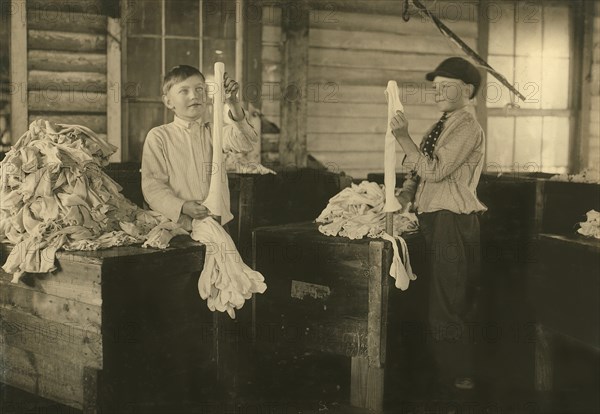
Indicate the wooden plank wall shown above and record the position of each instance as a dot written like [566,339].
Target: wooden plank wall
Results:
[355,48]
[594,84]
[67,69]
[272,45]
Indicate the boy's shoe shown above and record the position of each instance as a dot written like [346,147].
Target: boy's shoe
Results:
[464,383]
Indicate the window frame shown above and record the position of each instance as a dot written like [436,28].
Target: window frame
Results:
[574,99]
[126,101]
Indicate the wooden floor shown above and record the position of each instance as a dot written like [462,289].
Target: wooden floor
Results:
[310,384]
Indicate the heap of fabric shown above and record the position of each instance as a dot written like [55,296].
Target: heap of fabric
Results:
[590,227]
[586,176]
[54,195]
[358,211]
[226,282]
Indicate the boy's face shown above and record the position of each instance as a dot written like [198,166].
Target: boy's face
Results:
[451,94]
[188,98]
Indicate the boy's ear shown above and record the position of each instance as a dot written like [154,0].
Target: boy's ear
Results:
[470,90]
[167,102]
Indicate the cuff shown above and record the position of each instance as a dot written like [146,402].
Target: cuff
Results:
[410,161]
[245,127]
[173,212]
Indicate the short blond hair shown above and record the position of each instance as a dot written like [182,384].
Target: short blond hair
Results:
[178,74]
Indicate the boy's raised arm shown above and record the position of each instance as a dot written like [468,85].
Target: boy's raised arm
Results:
[157,192]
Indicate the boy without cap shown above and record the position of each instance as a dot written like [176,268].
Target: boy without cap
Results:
[177,157]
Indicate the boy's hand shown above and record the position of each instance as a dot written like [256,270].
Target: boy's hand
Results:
[399,125]
[195,209]
[231,89]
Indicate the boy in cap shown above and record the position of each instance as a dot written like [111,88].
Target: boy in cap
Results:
[445,171]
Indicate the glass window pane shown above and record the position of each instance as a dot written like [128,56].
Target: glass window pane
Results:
[144,17]
[500,142]
[496,94]
[555,83]
[182,52]
[142,118]
[182,18]
[529,29]
[218,18]
[218,50]
[528,73]
[556,31]
[144,66]
[555,148]
[502,28]
[528,141]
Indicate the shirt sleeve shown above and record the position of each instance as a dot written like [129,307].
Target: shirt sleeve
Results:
[409,188]
[449,156]
[240,136]
[155,179]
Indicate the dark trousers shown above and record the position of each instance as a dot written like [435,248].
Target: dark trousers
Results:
[454,259]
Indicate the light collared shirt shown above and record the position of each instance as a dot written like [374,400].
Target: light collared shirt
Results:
[177,163]
[448,180]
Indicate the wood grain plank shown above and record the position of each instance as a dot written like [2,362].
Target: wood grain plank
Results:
[369,59]
[345,76]
[67,81]
[366,22]
[359,125]
[50,339]
[66,21]
[56,379]
[66,61]
[52,308]
[390,42]
[67,101]
[66,41]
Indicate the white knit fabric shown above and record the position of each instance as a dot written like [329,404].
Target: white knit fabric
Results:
[394,104]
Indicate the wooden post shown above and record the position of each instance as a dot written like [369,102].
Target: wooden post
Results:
[579,154]
[367,374]
[294,108]
[543,359]
[114,85]
[483,28]
[18,70]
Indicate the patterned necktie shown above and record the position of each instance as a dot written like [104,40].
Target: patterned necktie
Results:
[433,136]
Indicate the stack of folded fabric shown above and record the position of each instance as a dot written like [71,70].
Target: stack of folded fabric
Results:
[54,195]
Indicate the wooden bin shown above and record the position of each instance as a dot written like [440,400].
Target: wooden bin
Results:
[564,274]
[332,295]
[292,195]
[111,330]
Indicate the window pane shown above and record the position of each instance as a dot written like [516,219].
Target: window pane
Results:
[218,18]
[218,50]
[502,29]
[496,94]
[556,31]
[555,149]
[529,29]
[555,83]
[182,52]
[528,141]
[144,17]
[500,143]
[182,18]
[528,73]
[144,66]
[142,118]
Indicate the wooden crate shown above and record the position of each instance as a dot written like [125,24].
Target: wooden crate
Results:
[292,195]
[334,295]
[563,274]
[104,332]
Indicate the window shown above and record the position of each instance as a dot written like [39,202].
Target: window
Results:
[162,34]
[530,44]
